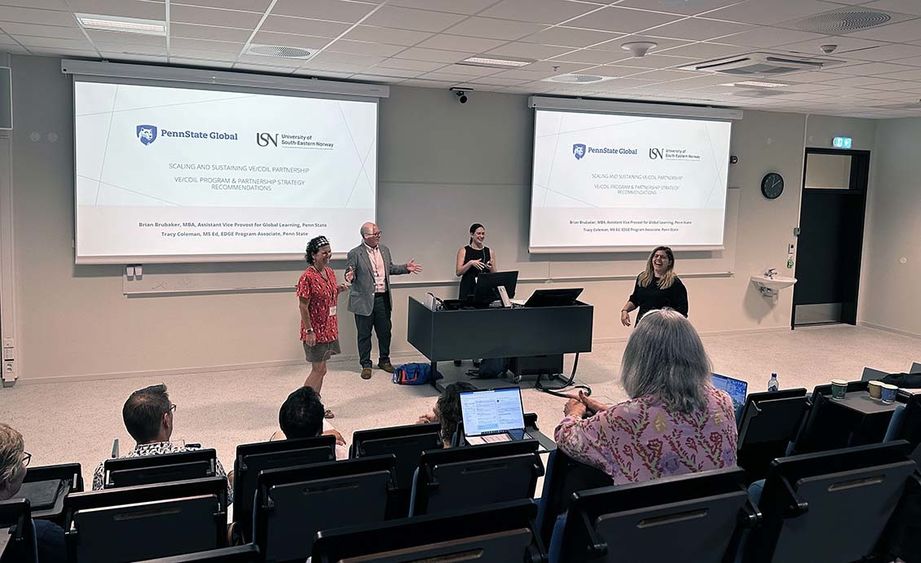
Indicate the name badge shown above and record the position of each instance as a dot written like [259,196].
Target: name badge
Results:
[332,311]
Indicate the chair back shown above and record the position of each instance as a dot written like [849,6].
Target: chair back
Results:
[564,477]
[293,504]
[247,553]
[16,526]
[768,423]
[162,468]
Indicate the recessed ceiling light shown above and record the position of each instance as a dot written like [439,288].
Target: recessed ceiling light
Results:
[118,23]
[756,84]
[492,61]
[577,78]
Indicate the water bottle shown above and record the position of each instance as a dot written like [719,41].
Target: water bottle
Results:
[772,383]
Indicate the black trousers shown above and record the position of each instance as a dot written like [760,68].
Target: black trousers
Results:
[379,320]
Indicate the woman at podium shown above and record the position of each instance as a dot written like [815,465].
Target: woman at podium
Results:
[473,259]
[657,287]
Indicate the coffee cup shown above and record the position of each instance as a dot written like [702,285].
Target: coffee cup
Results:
[838,388]
[875,389]
[888,392]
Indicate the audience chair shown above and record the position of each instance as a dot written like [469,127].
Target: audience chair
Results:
[564,477]
[697,517]
[768,423]
[915,368]
[829,506]
[829,426]
[16,527]
[905,423]
[147,470]
[248,553]
[458,478]
[870,374]
[293,504]
[499,534]
[146,521]
[405,442]
[253,458]
[46,486]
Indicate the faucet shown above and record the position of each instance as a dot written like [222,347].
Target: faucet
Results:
[771,273]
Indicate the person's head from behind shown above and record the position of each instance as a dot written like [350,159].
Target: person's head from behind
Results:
[301,415]
[13,461]
[448,409]
[665,358]
[477,233]
[148,415]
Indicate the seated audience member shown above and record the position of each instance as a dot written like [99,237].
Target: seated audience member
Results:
[302,416]
[447,410]
[13,461]
[674,423]
[148,416]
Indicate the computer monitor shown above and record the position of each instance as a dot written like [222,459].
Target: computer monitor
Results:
[487,286]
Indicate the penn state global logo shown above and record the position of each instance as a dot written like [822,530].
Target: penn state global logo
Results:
[578,151]
[147,134]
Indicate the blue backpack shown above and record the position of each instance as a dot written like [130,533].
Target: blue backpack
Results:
[414,374]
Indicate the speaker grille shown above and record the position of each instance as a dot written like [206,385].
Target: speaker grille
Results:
[280,51]
[845,20]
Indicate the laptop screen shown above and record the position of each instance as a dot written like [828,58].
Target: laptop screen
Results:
[491,411]
[735,388]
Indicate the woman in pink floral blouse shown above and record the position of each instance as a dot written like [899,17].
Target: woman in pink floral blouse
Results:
[674,423]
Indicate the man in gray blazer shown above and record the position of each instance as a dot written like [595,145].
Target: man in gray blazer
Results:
[369,295]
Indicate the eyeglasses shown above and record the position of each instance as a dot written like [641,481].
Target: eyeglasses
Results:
[26,458]
[172,407]
[374,234]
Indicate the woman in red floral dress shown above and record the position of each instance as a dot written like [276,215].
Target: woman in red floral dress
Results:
[317,293]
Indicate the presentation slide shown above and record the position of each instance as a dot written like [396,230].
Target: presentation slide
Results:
[178,175]
[605,182]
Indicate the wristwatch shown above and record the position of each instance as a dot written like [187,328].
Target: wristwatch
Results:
[309,331]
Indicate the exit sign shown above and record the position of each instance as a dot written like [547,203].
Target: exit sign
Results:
[841,142]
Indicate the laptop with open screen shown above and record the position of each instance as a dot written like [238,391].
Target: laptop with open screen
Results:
[493,415]
[553,297]
[735,388]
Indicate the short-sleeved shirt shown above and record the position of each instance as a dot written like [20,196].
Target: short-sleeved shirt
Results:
[641,439]
[322,295]
[652,297]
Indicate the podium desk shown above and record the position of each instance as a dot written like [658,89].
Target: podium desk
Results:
[445,335]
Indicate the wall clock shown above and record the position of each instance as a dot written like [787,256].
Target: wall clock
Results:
[772,185]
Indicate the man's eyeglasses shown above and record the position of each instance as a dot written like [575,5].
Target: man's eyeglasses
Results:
[374,234]
[26,458]
[172,407]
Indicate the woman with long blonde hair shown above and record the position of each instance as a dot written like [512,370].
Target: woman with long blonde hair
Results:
[657,287]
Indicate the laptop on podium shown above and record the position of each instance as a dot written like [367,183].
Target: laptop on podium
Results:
[493,415]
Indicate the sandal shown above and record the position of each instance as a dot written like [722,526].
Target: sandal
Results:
[328,414]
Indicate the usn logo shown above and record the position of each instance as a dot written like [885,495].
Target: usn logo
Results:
[655,153]
[578,151]
[147,134]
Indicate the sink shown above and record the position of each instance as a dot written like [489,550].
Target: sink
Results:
[770,286]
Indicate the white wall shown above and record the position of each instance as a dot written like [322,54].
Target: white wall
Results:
[442,166]
[890,297]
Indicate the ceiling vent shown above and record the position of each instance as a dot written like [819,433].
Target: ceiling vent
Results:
[280,51]
[761,64]
[577,78]
[846,20]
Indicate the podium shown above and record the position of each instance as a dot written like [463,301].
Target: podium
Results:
[444,335]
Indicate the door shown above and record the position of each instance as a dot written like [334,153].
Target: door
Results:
[830,236]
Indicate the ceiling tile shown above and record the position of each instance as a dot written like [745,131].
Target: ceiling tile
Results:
[911,75]
[861,81]
[43,4]
[59,52]
[387,35]
[697,29]
[434,55]
[623,20]
[40,17]
[468,70]
[683,7]
[460,43]
[100,38]
[193,61]
[453,6]
[590,56]
[192,31]
[364,48]
[202,46]
[386,74]
[703,51]
[888,53]
[246,5]
[333,10]
[873,68]
[616,45]
[206,55]
[771,12]
[405,64]
[363,61]
[417,20]
[903,6]
[302,26]
[768,37]
[570,37]
[845,45]
[265,68]
[17,29]
[902,32]
[495,29]
[321,73]
[653,61]
[290,40]
[537,11]
[556,67]
[30,42]
[528,51]
[269,61]
[133,49]
[614,70]
[214,16]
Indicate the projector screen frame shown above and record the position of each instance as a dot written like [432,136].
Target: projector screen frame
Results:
[185,78]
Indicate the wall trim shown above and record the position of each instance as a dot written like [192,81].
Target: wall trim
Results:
[889,329]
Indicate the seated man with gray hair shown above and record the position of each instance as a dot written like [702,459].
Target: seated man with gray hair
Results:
[14,459]
[148,416]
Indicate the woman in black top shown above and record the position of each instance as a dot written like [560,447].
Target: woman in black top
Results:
[473,259]
[657,287]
